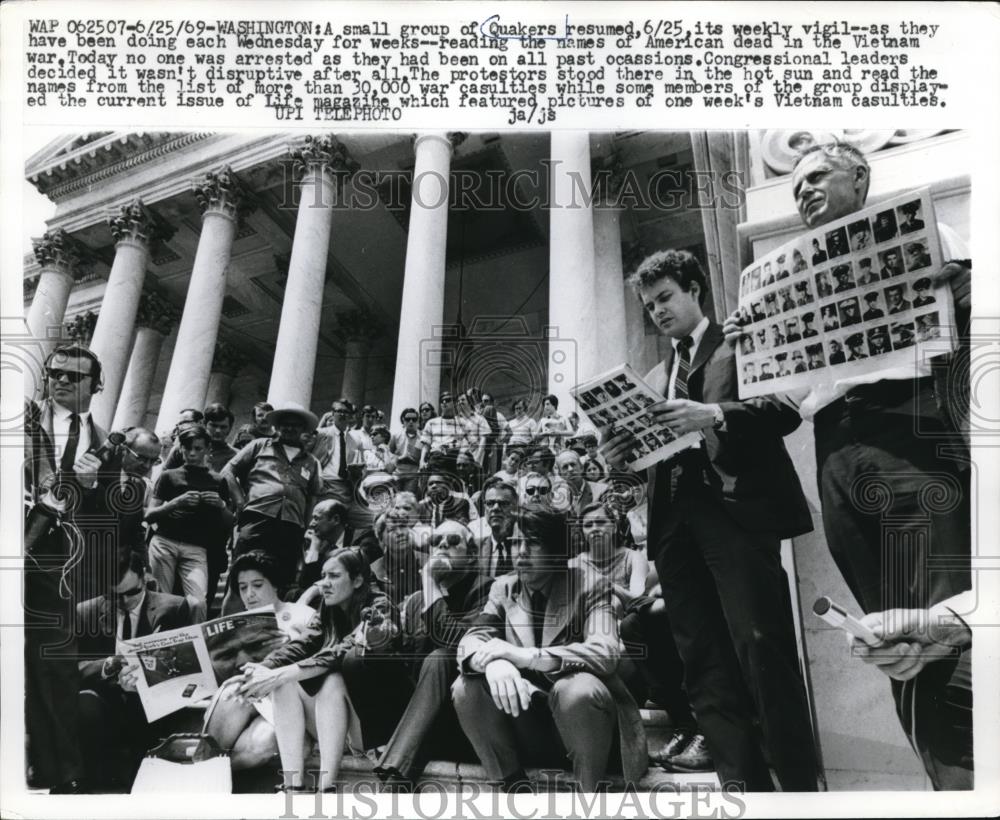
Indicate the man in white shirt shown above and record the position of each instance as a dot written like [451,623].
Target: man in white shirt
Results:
[888,427]
[442,437]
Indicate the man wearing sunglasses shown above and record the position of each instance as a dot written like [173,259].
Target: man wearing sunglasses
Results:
[61,442]
[113,729]
[406,447]
[452,594]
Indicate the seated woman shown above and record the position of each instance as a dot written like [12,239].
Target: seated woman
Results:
[605,553]
[339,677]
[247,730]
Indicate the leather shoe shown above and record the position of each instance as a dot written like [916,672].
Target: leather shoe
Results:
[693,758]
[69,787]
[674,746]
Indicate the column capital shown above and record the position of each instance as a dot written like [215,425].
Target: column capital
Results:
[327,153]
[81,327]
[221,192]
[358,325]
[607,174]
[156,312]
[135,222]
[227,359]
[57,250]
[452,138]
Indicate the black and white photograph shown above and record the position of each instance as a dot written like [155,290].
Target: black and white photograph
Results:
[369,323]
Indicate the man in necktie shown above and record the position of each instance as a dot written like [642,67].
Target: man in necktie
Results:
[717,514]
[497,527]
[539,679]
[60,477]
[114,732]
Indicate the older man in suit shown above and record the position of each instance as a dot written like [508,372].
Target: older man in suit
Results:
[571,492]
[717,513]
[63,503]
[113,729]
[539,680]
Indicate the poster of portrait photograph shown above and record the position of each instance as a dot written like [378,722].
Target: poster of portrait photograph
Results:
[857,298]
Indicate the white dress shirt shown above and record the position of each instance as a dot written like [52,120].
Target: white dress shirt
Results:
[60,430]
[133,615]
[696,335]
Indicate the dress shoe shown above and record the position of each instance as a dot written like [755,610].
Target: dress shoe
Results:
[69,787]
[693,758]
[674,746]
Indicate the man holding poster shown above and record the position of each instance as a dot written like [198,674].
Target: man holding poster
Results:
[716,517]
[887,426]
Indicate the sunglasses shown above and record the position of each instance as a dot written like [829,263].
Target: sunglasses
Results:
[150,461]
[539,490]
[70,375]
[451,539]
[410,418]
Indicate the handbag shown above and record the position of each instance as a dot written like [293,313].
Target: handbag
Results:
[186,762]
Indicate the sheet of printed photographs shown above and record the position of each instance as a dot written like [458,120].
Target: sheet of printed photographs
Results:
[842,295]
[620,401]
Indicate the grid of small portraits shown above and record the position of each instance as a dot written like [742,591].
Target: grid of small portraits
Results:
[619,401]
[858,289]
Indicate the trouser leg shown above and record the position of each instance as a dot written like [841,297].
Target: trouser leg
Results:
[584,714]
[490,731]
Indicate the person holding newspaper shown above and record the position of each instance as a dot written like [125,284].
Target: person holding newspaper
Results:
[890,423]
[717,513]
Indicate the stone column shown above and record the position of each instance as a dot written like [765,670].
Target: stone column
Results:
[574,334]
[609,285]
[641,348]
[225,365]
[326,165]
[134,228]
[59,256]
[223,201]
[358,328]
[154,322]
[416,379]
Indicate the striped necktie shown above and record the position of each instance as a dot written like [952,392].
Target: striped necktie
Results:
[683,367]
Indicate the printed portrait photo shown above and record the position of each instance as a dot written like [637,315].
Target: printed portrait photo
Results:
[785,298]
[843,277]
[850,311]
[917,255]
[878,340]
[835,351]
[873,306]
[836,243]
[823,286]
[902,334]
[803,293]
[809,324]
[612,389]
[814,356]
[624,382]
[928,327]
[855,347]
[885,226]
[910,217]
[895,299]
[867,275]
[891,261]
[860,234]
[828,315]
[923,294]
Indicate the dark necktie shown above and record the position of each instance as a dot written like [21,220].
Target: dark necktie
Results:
[538,615]
[683,367]
[681,392]
[127,626]
[504,564]
[342,457]
[72,441]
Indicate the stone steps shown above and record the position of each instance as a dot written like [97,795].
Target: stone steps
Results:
[452,775]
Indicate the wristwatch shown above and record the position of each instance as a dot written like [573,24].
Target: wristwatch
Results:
[720,418]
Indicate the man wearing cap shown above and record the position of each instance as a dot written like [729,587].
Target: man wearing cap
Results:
[856,347]
[873,311]
[275,484]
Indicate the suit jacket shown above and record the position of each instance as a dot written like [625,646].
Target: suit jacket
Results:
[758,483]
[40,464]
[580,631]
[97,623]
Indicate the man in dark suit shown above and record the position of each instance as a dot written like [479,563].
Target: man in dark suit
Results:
[63,506]
[114,732]
[717,513]
[538,670]
[434,620]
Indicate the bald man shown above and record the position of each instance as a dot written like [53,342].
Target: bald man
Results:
[571,492]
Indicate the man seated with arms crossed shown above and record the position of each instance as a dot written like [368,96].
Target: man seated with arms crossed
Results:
[892,424]
[539,680]
[434,619]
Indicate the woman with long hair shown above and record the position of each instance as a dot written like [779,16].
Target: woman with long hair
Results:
[245,729]
[426,412]
[308,678]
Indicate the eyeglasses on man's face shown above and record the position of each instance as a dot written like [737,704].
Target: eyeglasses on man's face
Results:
[72,376]
[539,489]
[452,539]
[149,461]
